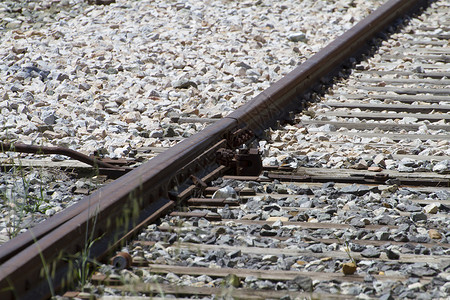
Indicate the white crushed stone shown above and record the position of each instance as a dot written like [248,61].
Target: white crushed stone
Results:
[107,78]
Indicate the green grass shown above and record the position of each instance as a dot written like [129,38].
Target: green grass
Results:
[20,198]
[24,195]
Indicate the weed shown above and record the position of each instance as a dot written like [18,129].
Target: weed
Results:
[46,269]
[347,249]
[348,268]
[32,202]
[20,196]
[82,264]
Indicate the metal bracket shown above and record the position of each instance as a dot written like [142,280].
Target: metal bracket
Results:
[244,162]
[239,137]
[200,185]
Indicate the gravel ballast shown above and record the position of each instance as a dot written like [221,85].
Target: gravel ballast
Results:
[109,78]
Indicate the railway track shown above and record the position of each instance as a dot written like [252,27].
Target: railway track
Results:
[298,222]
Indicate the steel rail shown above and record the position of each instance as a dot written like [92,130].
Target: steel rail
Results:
[114,209]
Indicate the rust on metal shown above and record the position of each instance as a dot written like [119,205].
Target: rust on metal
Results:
[380,177]
[199,184]
[122,260]
[150,219]
[248,162]
[289,177]
[278,168]
[192,190]
[224,156]
[244,162]
[116,208]
[24,148]
[240,137]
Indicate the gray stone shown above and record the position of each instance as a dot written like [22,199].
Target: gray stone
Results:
[281,189]
[371,252]
[84,86]
[418,216]
[297,37]
[277,224]
[265,232]
[235,254]
[3,238]
[421,249]
[359,223]
[382,235]
[184,84]
[409,120]
[48,116]
[62,77]
[349,288]
[384,220]
[442,167]
[413,208]
[27,97]
[270,258]
[191,238]
[420,271]
[387,296]
[405,169]
[323,217]
[442,194]
[111,71]
[316,248]
[416,287]
[328,128]
[16,87]
[302,283]
[226,192]
[171,277]
[423,296]
[244,65]
[354,247]
[446,287]
[158,133]
[250,217]
[380,160]
[408,162]
[50,212]
[253,205]
[392,254]
[432,208]
[354,189]
[306,204]
[360,165]
[265,285]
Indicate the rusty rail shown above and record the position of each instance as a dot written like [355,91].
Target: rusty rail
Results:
[24,148]
[112,211]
